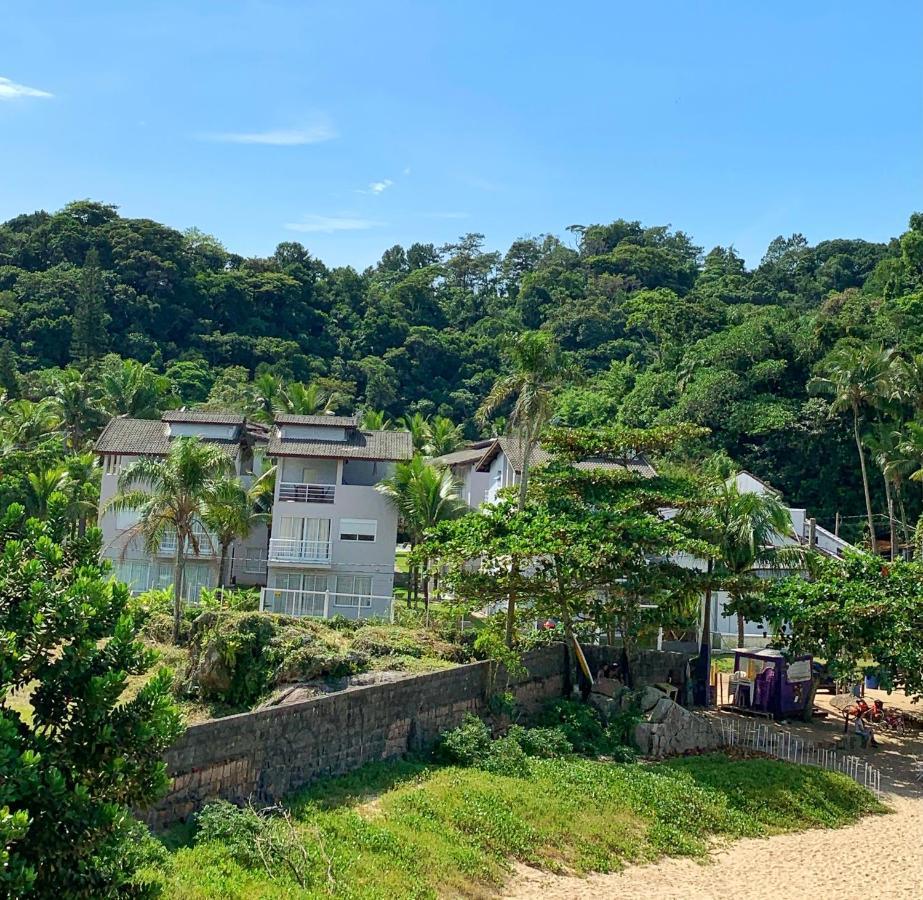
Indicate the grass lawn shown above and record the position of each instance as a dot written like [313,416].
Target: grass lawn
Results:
[415,830]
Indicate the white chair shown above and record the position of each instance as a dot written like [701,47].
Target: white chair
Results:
[740,681]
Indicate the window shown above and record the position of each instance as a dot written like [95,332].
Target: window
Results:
[135,573]
[255,560]
[353,591]
[162,576]
[195,578]
[111,464]
[358,529]
[296,581]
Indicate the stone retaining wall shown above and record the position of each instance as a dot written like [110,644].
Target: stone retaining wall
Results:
[265,755]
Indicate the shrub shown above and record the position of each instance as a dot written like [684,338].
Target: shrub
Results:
[467,745]
[70,776]
[580,723]
[506,757]
[545,743]
[235,828]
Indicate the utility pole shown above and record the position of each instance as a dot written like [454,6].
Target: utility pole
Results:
[836,526]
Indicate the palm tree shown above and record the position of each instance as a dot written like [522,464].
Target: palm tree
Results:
[25,423]
[40,486]
[887,446]
[267,391]
[443,437]
[375,420]
[537,374]
[305,399]
[232,511]
[75,403]
[170,495]
[81,487]
[418,426]
[423,496]
[130,388]
[746,527]
[858,379]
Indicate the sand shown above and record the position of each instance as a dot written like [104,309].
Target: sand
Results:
[878,857]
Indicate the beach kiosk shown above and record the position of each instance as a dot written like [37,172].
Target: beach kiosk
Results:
[764,682]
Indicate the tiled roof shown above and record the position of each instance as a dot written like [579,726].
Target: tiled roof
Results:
[390,445]
[512,449]
[205,416]
[142,437]
[460,457]
[337,421]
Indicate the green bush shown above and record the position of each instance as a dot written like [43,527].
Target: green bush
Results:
[581,724]
[467,745]
[545,743]
[235,828]
[506,757]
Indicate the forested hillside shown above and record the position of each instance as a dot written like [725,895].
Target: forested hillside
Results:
[655,328]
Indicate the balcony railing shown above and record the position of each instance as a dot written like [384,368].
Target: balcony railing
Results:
[289,551]
[306,493]
[254,565]
[208,546]
[323,604]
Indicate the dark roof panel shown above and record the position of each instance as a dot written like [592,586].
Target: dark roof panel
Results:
[203,416]
[144,437]
[513,450]
[337,421]
[385,445]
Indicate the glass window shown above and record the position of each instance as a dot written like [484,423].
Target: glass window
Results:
[196,578]
[358,529]
[133,572]
[353,591]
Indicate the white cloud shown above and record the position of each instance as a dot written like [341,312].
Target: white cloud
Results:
[407,170]
[11,90]
[376,187]
[329,224]
[278,137]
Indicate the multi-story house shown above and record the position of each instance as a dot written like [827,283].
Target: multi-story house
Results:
[330,547]
[333,534]
[122,442]
[472,484]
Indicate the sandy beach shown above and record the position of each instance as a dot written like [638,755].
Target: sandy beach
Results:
[878,857]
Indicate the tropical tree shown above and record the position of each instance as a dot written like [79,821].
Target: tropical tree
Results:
[375,420]
[170,495]
[40,486]
[80,486]
[535,377]
[423,496]
[76,406]
[305,399]
[267,391]
[130,388]
[75,766]
[443,436]
[232,511]
[747,529]
[858,379]
[418,426]
[25,423]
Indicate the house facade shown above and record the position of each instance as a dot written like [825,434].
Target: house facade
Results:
[330,546]
[472,483]
[333,534]
[125,440]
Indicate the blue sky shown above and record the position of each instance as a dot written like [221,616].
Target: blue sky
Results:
[352,126]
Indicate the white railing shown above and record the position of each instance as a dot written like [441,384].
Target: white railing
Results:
[208,545]
[306,493]
[255,565]
[787,746]
[324,604]
[285,550]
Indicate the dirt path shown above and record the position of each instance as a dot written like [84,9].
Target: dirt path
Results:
[817,864]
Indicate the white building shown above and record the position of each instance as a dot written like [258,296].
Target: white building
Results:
[330,547]
[125,440]
[334,534]
[472,484]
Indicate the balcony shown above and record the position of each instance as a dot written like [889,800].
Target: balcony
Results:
[208,545]
[323,604]
[296,492]
[314,553]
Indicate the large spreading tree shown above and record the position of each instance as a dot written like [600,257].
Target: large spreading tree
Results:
[597,542]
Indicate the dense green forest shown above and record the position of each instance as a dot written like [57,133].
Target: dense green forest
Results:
[653,330]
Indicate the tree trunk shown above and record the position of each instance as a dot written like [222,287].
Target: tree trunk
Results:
[426,593]
[222,565]
[703,663]
[511,605]
[179,571]
[865,478]
[526,448]
[892,525]
[740,629]
[905,529]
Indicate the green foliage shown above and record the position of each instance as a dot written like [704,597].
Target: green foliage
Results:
[70,776]
[406,830]
[580,723]
[860,608]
